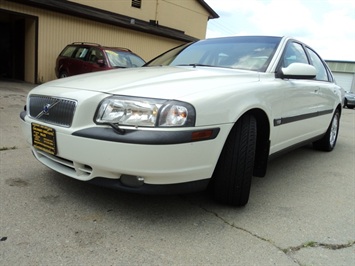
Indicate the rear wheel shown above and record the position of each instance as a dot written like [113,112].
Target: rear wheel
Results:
[232,177]
[327,143]
[63,74]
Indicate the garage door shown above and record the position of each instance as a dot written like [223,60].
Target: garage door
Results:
[344,80]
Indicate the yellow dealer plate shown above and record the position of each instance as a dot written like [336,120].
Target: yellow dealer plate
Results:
[44,139]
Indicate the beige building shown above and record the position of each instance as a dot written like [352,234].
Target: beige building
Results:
[344,73]
[33,32]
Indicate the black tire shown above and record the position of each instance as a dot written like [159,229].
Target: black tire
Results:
[232,177]
[328,141]
[345,103]
[63,74]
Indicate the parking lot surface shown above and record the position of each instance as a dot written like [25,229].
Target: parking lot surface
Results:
[301,213]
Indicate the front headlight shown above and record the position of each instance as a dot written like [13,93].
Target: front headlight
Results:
[145,112]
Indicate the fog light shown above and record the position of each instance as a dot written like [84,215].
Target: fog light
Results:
[132,181]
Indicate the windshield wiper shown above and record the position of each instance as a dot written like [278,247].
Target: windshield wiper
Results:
[196,65]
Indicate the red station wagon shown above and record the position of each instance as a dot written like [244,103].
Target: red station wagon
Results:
[80,57]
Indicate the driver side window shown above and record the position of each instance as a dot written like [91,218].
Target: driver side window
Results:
[94,55]
[294,53]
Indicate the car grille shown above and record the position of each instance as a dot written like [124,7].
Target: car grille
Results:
[57,111]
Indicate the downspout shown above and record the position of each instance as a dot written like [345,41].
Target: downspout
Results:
[156,10]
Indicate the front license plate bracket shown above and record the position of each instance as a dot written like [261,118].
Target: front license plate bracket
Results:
[44,138]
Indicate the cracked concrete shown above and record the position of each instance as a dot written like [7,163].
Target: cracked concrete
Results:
[316,244]
[301,213]
[292,252]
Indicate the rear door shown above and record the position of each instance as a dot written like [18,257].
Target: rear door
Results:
[328,90]
[77,64]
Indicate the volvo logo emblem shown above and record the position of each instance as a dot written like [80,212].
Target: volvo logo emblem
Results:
[46,108]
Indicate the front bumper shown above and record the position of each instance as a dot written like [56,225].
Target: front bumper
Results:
[101,156]
[148,189]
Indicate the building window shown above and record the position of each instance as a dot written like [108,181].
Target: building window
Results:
[137,3]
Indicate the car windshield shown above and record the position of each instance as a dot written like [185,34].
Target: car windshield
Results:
[120,59]
[249,53]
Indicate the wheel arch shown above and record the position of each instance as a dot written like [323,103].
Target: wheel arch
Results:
[262,142]
[63,70]
[63,66]
[340,108]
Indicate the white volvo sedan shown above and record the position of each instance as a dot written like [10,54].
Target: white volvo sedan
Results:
[208,114]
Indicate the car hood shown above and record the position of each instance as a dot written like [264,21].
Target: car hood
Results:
[158,82]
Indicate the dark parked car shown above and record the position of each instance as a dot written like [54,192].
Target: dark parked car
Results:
[349,100]
[80,57]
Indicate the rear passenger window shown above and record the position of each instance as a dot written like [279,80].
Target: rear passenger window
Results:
[81,53]
[318,64]
[68,51]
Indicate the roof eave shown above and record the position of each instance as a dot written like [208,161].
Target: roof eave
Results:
[99,15]
[212,13]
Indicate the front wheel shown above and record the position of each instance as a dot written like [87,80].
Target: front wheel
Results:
[327,143]
[232,177]
[345,103]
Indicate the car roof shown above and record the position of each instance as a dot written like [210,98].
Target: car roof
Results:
[89,44]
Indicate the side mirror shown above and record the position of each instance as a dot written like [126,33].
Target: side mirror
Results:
[297,71]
